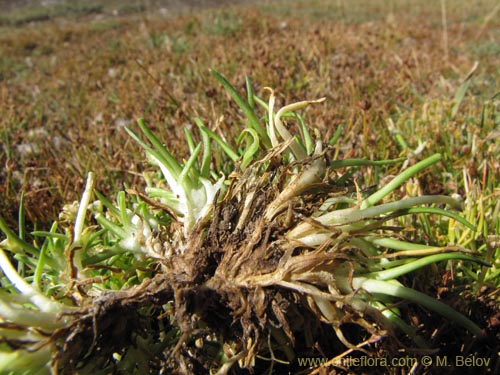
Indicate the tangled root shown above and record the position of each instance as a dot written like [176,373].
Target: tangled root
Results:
[238,287]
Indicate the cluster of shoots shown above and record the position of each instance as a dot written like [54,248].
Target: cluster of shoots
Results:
[340,247]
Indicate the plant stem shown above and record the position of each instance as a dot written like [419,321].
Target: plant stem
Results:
[34,296]
[399,180]
[392,289]
[395,272]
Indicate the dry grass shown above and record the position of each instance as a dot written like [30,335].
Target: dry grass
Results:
[67,88]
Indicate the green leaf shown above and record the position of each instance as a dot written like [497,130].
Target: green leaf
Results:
[175,169]
[253,121]
[414,265]
[336,136]
[399,180]
[171,161]
[439,211]
[250,99]
[189,166]
[251,149]
[122,204]
[206,157]
[225,147]
[389,288]
[189,139]
[107,203]
[37,277]
[362,162]
[307,140]
[112,227]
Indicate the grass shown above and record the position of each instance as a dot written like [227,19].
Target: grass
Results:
[98,68]
[67,89]
[32,14]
